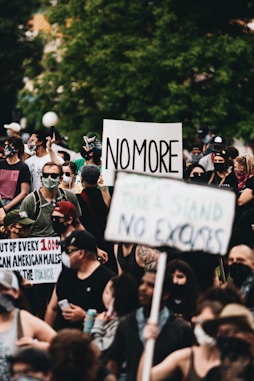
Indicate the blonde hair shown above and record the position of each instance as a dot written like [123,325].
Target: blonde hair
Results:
[247,161]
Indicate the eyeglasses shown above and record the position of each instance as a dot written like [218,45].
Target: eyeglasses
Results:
[53,175]
[67,174]
[69,251]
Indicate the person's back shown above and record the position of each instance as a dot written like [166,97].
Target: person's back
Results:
[94,210]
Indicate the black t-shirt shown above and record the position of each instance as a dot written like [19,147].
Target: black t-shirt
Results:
[86,293]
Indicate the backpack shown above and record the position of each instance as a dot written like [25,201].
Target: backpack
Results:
[37,201]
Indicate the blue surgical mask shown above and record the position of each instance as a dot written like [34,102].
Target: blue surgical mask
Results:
[196,158]
[66,260]
[50,184]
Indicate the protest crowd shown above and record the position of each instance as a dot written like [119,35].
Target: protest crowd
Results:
[77,306]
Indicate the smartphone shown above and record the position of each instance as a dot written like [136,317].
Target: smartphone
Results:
[64,303]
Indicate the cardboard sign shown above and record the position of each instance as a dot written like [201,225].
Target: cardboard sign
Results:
[37,259]
[148,148]
[169,212]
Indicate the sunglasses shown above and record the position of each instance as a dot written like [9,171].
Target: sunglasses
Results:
[67,174]
[53,175]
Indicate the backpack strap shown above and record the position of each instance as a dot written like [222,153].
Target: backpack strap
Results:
[37,204]
[62,194]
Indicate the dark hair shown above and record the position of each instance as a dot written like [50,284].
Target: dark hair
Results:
[38,359]
[73,356]
[190,169]
[189,299]
[72,165]
[52,164]
[66,155]
[17,143]
[125,291]
[42,136]
[232,151]
[215,306]
[178,264]
[224,296]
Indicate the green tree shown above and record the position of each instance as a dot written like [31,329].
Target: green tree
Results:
[176,60]
[15,48]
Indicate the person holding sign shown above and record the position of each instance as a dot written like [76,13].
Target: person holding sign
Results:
[19,328]
[193,363]
[128,345]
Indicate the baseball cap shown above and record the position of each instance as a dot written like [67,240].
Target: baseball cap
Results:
[90,173]
[203,131]
[66,208]
[38,358]
[218,141]
[8,279]
[82,240]
[17,216]
[13,126]
[232,313]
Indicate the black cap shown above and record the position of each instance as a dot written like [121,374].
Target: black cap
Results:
[203,131]
[218,141]
[37,358]
[82,240]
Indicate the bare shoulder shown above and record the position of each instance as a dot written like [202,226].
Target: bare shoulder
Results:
[32,325]
[182,354]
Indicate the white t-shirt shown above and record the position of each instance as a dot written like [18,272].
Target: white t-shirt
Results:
[35,165]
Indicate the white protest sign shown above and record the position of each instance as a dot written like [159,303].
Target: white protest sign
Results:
[37,259]
[168,212]
[149,148]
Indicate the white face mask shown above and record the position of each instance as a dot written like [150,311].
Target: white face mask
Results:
[202,338]
[66,179]
[66,260]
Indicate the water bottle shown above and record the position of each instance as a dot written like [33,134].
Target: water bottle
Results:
[89,320]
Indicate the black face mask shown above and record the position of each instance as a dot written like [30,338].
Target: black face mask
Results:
[198,179]
[233,347]
[239,273]
[7,303]
[177,291]
[59,227]
[220,167]
[85,154]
